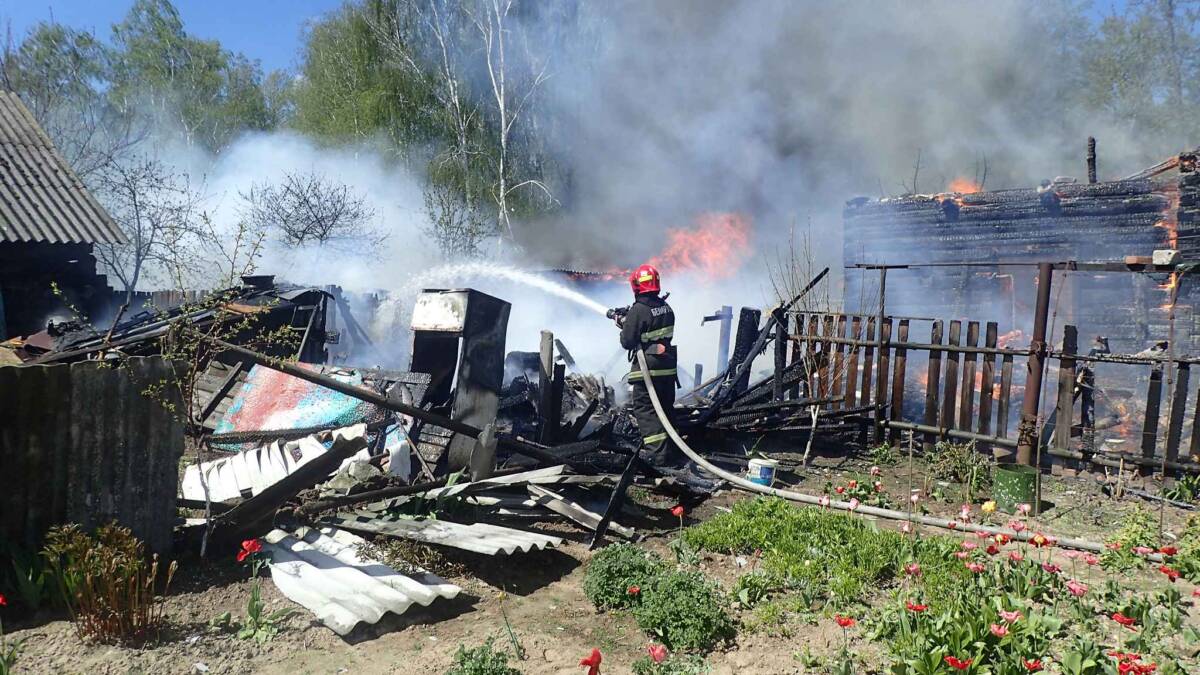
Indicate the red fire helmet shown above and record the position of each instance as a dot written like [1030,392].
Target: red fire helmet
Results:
[645,280]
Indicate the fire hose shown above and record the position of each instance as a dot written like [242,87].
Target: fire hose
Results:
[890,514]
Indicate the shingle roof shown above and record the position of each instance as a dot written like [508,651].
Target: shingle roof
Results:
[41,198]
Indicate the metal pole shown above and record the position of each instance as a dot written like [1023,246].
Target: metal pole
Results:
[726,319]
[1027,430]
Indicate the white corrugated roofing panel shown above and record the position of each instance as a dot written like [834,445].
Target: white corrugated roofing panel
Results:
[324,571]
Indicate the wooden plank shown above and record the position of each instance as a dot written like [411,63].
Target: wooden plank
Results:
[827,349]
[1006,375]
[1153,404]
[814,354]
[932,381]
[881,379]
[868,366]
[852,365]
[781,343]
[839,359]
[1065,411]
[901,362]
[1178,408]
[987,389]
[950,391]
[545,388]
[966,404]
[798,347]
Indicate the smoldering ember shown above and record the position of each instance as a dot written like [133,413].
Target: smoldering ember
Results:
[501,336]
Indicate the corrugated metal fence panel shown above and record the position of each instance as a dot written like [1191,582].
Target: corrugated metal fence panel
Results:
[83,443]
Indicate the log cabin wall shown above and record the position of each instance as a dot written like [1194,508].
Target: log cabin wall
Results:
[1106,221]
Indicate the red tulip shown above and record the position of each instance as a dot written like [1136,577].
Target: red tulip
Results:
[1113,546]
[952,525]
[3,600]
[658,653]
[915,608]
[992,549]
[592,662]
[1168,550]
[852,484]
[633,590]
[958,664]
[676,511]
[1171,572]
[1040,540]
[844,621]
[1127,621]
[839,489]
[249,547]
[1033,666]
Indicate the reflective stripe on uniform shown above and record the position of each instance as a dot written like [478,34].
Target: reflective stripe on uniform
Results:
[654,438]
[637,375]
[659,334]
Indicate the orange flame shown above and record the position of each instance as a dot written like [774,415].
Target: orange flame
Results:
[716,246]
[964,186]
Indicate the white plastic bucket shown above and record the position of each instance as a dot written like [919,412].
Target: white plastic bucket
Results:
[762,471]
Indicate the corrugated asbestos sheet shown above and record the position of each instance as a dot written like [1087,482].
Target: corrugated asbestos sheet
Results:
[478,537]
[81,443]
[323,571]
[251,471]
[41,198]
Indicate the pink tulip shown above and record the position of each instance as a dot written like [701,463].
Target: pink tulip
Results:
[854,503]
[1010,617]
[1077,589]
[969,545]
[999,630]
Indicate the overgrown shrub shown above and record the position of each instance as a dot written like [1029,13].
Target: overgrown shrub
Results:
[615,569]
[883,454]
[107,583]
[1138,528]
[684,611]
[1188,559]
[961,463]
[482,660]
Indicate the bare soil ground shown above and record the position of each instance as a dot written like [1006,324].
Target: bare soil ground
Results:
[554,621]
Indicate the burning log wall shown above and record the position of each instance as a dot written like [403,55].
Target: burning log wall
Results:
[1156,209]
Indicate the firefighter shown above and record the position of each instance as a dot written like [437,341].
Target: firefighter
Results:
[649,324]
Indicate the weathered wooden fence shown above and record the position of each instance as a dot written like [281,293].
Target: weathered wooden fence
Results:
[82,443]
[964,383]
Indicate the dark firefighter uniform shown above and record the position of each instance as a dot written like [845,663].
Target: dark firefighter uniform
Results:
[650,325]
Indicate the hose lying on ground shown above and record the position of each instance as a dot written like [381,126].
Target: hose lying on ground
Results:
[890,514]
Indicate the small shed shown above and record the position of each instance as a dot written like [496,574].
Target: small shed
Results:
[49,224]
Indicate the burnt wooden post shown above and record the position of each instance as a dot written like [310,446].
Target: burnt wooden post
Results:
[1150,426]
[546,386]
[1091,159]
[966,405]
[852,363]
[1064,412]
[1087,408]
[1178,408]
[987,391]
[901,363]
[839,357]
[933,375]
[881,378]
[781,343]
[1027,431]
[747,335]
[950,394]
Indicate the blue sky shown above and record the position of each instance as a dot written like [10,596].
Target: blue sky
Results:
[267,30]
